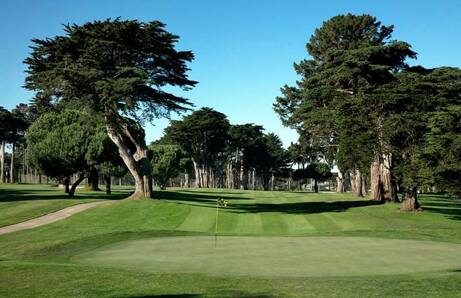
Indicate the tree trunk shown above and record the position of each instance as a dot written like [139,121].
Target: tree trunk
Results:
[340,182]
[358,183]
[93,180]
[64,184]
[272,182]
[242,176]
[81,177]
[364,187]
[316,186]
[12,170]
[197,174]
[2,162]
[383,186]
[410,202]
[375,181]
[108,184]
[138,163]
[186,180]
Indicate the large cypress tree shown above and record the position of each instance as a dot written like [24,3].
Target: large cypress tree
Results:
[118,69]
[351,55]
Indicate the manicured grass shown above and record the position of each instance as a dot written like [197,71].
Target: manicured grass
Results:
[277,256]
[276,240]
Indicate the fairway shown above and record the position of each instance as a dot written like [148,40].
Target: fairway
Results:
[278,256]
[269,244]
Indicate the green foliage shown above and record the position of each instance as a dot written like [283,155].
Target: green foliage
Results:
[61,144]
[166,163]
[114,67]
[351,57]
[317,170]
[12,125]
[439,158]
[203,134]
[247,140]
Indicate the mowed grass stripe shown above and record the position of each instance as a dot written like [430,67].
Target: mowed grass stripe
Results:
[199,219]
[274,223]
[321,222]
[343,224]
[296,223]
[247,223]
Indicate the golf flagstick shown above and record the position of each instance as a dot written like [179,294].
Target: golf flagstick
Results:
[223,203]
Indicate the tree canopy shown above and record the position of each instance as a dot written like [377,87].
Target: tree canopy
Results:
[118,69]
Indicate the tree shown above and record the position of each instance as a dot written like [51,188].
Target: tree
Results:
[246,147]
[352,55]
[317,171]
[5,117]
[272,161]
[203,135]
[12,128]
[61,144]
[438,160]
[118,69]
[165,163]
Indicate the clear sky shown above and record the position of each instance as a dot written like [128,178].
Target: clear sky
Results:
[244,49]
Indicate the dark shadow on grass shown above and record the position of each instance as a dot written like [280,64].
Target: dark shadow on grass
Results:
[224,294]
[193,196]
[209,201]
[169,295]
[52,193]
[301,207]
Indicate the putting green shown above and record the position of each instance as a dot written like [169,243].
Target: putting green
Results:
[277,256]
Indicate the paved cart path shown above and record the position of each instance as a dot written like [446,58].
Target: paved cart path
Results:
[50,218]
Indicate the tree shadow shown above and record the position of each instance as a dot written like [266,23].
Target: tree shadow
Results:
[193,196]
[301,207]
[238,204]
[224,294]
[52,193]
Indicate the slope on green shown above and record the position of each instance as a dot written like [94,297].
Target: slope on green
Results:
[277,256]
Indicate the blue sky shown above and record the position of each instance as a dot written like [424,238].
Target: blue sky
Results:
[244,49]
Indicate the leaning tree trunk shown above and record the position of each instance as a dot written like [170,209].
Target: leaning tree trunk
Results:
[410,202]
[340,182]
[108,184]
[12,171]
[138,163]
[81,177]
[197,174]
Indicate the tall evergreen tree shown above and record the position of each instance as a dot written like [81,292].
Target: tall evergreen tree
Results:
[118,69]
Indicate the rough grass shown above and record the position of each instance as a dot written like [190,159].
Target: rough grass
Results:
[44,261]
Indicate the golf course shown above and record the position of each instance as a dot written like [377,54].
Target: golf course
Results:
[262,244]
[230,149]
